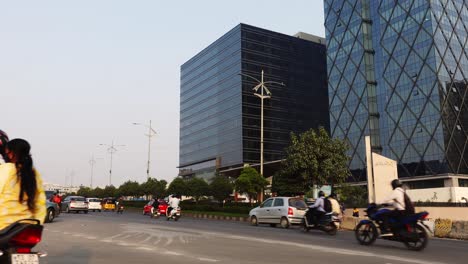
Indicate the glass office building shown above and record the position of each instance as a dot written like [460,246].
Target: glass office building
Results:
[219,114]
[398,72]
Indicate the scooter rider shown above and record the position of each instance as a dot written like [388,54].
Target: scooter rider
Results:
[317,210]
[396,200]
[174,202]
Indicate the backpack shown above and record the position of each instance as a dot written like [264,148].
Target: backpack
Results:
[409,206]
[327,206]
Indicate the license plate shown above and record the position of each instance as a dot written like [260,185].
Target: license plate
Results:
[24,259]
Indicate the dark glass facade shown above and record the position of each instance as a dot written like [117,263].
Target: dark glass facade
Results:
[220,116]
[398,71]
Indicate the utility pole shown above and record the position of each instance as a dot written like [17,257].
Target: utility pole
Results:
[264,94]
[111,149]
[151,133]
[92,162]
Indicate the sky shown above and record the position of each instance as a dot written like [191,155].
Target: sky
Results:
[77,74]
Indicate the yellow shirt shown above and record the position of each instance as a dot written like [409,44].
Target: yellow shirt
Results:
[11,210]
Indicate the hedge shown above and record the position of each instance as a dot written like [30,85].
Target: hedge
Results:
[203,206]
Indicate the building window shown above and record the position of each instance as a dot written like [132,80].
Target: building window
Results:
[463,182]
[437,183]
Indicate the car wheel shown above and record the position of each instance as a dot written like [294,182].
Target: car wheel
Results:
[144,212]
[50,215]
[77,212]
[85,212]
[284,223]
[253,220]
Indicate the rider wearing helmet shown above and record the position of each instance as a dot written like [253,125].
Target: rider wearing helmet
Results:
[396,200]
[317,210]
[3,142]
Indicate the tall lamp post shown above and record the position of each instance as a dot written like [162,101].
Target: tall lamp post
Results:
[151,133]
[111,149]
[92,162]
[264,94]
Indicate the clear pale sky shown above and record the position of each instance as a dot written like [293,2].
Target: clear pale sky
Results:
[75,74]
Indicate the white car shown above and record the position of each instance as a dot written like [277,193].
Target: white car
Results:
[94,204]
[284,211]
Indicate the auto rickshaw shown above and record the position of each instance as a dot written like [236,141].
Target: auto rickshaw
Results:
[108,204]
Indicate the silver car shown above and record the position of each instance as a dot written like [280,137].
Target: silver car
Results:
[284,211]
[75,204]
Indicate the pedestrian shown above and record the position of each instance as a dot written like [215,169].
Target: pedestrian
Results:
[355,212]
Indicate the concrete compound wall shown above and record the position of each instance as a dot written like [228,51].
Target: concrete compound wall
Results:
[445,194]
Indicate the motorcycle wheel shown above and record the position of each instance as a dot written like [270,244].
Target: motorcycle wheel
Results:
[420,242]
[332,229]
[176,218]
[366,233]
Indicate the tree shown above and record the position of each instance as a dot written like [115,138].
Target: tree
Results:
[154,188]
[130,188]
[85,191]
[177,186]
[98,192]
[250,182]
[109,191]
[312,158]
[354,196]
[221,188]
[197,188]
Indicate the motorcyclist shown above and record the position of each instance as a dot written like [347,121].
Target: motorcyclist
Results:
[317,210]
[174,202]
[396,200]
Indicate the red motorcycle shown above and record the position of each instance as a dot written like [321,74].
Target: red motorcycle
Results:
[17,241]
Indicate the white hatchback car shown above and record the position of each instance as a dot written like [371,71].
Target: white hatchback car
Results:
[94,204]
[284,211]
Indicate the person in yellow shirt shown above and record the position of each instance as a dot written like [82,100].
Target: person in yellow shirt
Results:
[22,194]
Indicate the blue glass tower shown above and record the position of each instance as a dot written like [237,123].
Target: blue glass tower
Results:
[398,71]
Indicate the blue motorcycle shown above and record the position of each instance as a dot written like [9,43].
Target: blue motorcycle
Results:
[410,230]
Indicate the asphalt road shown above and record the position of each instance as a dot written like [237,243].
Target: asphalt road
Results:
[133,238]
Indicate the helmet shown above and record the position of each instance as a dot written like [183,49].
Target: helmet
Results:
[321,194]
[396,183]
[3,141]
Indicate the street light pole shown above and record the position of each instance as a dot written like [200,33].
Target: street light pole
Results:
[111,149]
[263,89]
[92,162]
[151,133]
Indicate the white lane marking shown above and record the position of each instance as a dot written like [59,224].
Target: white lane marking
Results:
[173,253]
[107,241]
[208,259]
[145,248]
[91,237]
[332,250]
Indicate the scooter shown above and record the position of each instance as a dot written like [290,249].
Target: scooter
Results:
[155,213]
[17,240]
[174,214]
[328,223]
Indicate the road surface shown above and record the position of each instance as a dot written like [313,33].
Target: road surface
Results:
[133,238]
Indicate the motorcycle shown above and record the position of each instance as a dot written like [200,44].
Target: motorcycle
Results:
[17,240]
[174,214]
[328,223]
[120,208]
[411,229]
